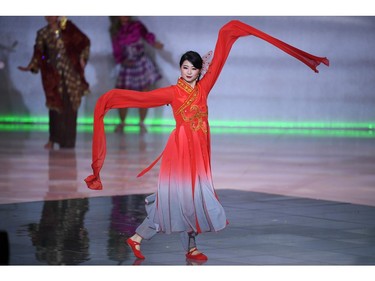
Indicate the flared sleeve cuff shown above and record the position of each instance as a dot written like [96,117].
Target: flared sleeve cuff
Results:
[93,182]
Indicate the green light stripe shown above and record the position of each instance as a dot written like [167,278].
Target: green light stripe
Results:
[342,133]
[214,123]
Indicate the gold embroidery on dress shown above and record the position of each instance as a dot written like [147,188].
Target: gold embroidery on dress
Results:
[196,118]
[183,85]
[196,114]
[192,91]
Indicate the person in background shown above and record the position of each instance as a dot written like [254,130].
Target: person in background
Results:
[185,201]
[137,70]
[61,52]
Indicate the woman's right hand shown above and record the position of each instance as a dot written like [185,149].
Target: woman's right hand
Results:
[128,63]
[24,68]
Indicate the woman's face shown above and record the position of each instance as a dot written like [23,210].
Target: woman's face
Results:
[189,73]
[51,19]
[124,19]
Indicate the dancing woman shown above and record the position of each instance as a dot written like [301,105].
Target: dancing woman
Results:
[185,201]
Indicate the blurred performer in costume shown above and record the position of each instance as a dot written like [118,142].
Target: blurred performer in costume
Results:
[137,70]
[61,52]
[185,201]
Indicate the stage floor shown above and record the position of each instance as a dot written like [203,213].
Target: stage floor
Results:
[290,200]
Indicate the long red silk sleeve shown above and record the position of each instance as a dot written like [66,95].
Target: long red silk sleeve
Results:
[308,59]
[116,98]
[235,29]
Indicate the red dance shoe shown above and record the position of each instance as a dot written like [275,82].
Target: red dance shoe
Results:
[132,244]
[199,257]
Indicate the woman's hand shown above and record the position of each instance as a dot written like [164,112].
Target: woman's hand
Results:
[128,63]
[82,61]
[24,68]
[158,45]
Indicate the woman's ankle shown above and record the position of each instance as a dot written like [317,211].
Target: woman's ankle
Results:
[137,238]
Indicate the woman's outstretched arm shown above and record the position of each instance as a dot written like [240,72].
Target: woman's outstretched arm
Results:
[119,98]
[235,29]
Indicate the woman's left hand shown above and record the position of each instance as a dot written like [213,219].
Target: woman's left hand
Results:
[158,45]
[82,62]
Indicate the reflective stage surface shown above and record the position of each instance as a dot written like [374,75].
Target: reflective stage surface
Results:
[290,200]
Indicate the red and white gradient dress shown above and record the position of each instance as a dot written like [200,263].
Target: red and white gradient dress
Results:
[185,199]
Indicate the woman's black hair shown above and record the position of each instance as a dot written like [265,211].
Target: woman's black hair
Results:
[115,25]
[194,58]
